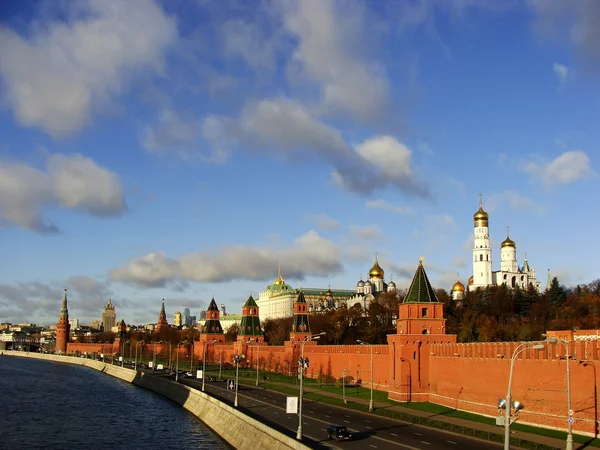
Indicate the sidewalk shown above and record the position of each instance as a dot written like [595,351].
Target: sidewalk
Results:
[544,442]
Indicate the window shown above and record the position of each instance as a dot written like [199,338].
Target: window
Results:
[480,257]
[425,332]
[423,312]
[487,257]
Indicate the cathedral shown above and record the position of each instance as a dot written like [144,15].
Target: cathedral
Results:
[277,300]
[511,273]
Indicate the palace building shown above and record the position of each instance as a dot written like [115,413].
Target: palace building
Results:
[277,300]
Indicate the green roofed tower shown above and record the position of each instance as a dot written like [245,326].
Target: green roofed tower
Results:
[250,324]
[300,325]
[212,328]
[421,312]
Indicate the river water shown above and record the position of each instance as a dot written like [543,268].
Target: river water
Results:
[47,405]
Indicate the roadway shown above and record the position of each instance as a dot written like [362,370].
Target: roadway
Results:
[369,431]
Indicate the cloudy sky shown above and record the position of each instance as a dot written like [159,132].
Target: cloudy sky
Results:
[181,150]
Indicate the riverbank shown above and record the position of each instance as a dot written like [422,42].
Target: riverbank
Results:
[238,430]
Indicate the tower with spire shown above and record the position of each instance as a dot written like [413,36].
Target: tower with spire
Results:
[109,317]
[300,325]
[162,323]
[482,251]
[250,324]
[212,329]
[63,328]
[421,312]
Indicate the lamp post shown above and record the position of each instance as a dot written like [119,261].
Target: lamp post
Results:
[303,364]
[371,348]
[154,358]
[585,363]
[177,363]
[344,386]
[553,340]
[220,362]
[257,356]
[506,403]
[236,359]
[192,355]
[136,353]
[204,362]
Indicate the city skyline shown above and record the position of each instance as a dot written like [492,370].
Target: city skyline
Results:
[181,151]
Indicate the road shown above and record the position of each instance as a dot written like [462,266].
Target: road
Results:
[370,431]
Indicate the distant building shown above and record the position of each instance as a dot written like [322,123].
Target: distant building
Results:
[186,317]
[223,311]
[96,325]
[193,321]
[177,319]
[109,317]
[202,314]
[74,323]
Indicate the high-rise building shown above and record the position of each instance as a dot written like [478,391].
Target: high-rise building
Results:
[109,317]
[95,325]
[177,319]
[74,323]
[186,317]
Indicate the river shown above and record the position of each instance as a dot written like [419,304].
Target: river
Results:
[48,405]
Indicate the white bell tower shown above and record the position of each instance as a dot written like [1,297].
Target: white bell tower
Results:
[482,252]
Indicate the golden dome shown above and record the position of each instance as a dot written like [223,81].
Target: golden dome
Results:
[376,271]
[279,280]
[458,287]
[508,242]
[471,280]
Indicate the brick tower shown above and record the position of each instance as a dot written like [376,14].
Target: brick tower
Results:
[300,325]
[212,329]
[162,319]
[250,324]
[63,328]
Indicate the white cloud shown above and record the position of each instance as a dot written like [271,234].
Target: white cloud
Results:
[390,163]
[333,52]
[286,128]
[370,233]
[515,200]
[382,204]
[309,255]
[574,21]
[58,74]
[561,72]
[324,222]
[566,168]
[70,181]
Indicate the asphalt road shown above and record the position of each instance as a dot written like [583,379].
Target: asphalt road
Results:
[369,431]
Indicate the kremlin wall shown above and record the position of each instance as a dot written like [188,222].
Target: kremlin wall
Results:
[419,363]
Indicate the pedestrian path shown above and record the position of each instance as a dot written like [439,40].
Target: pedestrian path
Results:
[533,440]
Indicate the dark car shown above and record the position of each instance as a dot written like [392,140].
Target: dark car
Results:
[339,432]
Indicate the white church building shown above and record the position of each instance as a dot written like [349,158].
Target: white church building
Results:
[510,273]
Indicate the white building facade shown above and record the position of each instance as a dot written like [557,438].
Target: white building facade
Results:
[510,273]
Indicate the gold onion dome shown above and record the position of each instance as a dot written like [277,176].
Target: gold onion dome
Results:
[471,280]
[376,271]
[508,242]
[458,287]
[279,280]
[480,215]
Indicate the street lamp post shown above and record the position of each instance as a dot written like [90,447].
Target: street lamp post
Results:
[553,340]
[507,405]
[192,356]
[303,364]
[257,357]
[220,362]
[236,359]
[344,386]
[204,362]
[154,358]
[177,363]
[371,348]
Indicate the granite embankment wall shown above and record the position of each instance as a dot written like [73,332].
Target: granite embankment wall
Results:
[239,430]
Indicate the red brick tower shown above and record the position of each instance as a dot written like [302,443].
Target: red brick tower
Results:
[212,329]
[162,319]
[63,328]
[300,325]
[250,324]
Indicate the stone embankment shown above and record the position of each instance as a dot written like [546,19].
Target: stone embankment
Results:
[239,430]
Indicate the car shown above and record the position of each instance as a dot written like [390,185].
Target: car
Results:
[189,374]
[339,432]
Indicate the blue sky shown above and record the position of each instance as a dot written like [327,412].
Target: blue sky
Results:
[181,150]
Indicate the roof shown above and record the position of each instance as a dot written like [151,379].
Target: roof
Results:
[250,302]
[420,290]
[301,298]
[213,305]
